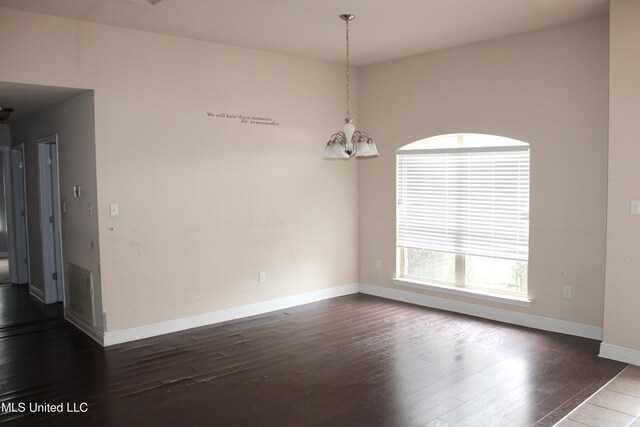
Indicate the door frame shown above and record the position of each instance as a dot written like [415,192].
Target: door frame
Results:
[18,235]
[49,196]
[8,205]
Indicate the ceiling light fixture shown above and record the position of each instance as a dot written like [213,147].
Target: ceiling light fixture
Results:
[349,142]
[5,113]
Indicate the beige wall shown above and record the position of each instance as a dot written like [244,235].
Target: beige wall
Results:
[73,122]
[205,204]
[621,314]
[547,88]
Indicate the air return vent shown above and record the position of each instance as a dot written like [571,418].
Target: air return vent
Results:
[80,294]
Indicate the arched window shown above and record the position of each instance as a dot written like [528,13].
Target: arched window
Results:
[463,212]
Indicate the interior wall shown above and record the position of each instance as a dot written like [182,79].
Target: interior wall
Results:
[548,88]
[622,290]
[205,202]
[73,122]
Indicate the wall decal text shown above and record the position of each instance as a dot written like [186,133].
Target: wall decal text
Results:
[247,120]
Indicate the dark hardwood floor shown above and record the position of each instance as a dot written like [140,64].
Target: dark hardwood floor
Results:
[350,361]
[17,306]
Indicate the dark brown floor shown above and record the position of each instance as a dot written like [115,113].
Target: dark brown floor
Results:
[350,361]
[18,307]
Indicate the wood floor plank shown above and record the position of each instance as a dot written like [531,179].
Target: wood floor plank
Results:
[355,360]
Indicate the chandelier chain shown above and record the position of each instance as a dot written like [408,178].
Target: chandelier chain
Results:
[348,118]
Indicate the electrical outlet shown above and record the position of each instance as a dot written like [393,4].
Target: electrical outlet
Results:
[566,292]
[378,264]
[262,277]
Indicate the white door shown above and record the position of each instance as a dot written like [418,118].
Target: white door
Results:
[20,273]
[50,219]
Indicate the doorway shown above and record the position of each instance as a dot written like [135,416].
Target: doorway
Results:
[42,287]
[20,264]
[17,305]
[50,219]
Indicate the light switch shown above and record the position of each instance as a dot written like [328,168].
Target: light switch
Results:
[115,210]
[635,207]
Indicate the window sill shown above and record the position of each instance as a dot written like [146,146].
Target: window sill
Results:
[472,293]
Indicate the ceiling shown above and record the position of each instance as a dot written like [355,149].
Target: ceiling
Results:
[383,29]
[27,99]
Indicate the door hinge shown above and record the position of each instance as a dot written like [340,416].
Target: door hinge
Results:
[26,261]
[49,161]
[54,276]
[51,219]
[22,213]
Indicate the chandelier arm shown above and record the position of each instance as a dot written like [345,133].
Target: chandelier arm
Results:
[338,137]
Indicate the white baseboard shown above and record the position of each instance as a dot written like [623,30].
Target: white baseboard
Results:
[36,293]
[621,354]
[96,334]
[132,334]
[501,315]
[528,320]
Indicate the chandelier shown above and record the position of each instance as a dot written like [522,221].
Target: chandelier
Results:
[349,142]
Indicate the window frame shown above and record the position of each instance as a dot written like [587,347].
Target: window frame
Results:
[460,286]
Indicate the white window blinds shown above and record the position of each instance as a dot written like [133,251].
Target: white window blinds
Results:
[471,201]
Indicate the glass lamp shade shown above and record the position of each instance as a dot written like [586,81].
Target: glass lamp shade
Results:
[327,151]
[340,152]
[337,151]
[366,148]
[362,149]
[372,148]
[348,129]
